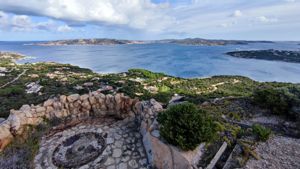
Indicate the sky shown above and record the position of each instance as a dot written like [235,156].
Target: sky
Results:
[28,20]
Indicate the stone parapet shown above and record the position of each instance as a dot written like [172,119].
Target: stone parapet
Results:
[74,106]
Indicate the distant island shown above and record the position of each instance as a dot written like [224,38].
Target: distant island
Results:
[87,42]
[271,54]
[211,42]
[188,41]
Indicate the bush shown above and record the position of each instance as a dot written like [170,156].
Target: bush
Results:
[146,73]
[272,99]
[281,101]
[10,91]
[186,126]
[261,132]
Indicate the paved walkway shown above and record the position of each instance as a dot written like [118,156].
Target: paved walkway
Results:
[108,145]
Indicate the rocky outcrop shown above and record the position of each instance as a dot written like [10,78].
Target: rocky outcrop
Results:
[74,106]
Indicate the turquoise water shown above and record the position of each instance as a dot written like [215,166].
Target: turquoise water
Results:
[178,60]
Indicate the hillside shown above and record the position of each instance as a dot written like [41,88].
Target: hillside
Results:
[87,42]
[79,114]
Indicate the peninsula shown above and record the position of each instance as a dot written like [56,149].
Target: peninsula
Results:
[271,54]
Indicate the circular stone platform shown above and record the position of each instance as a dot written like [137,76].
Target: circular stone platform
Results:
[106,144]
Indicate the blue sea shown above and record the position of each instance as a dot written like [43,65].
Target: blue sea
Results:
[173,59]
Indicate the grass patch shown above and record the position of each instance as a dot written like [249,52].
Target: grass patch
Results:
[262,133]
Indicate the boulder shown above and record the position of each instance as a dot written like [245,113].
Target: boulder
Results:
[5,136]
[88,84]
[84,97]
[72,98]
[77,103]
[57,105]
[26,110]
[92,100]
[16,118]
[25,107]
[86,104]
[110,102]
[49,109]
[63,99]
[59,114]
[155,105]
[138,108]
[118,98]
[48,102]
[40,109]
[34,121]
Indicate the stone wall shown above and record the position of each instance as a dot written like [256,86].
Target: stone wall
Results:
[74,106]
[159,154]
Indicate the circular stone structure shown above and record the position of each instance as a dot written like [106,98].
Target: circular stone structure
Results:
[78,150]
[94,144]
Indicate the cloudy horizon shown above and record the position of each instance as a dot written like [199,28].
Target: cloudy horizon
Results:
[149,19]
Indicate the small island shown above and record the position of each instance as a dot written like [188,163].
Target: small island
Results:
[271,54]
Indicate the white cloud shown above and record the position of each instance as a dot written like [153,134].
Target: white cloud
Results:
[140,14]
[290,0]
[194,18]
[265,19]
[229,24]
[237,13]
[25,23]
[3,19]
[21,23]
[64,28]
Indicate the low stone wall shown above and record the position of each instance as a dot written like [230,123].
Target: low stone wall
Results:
[159,154]
[74,106]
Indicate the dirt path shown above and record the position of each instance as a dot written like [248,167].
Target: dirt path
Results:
[15,79]
[214,87]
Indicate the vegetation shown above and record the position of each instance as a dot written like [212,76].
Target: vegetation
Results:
[183,125]
[261,132]
[186,126]
[21,152]
[280,100]
[145,73]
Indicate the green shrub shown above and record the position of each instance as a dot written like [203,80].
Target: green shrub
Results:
[261,132]
[163,97]
[164,88]
[281,101]
[9,91]
[146,73]
[186,126]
